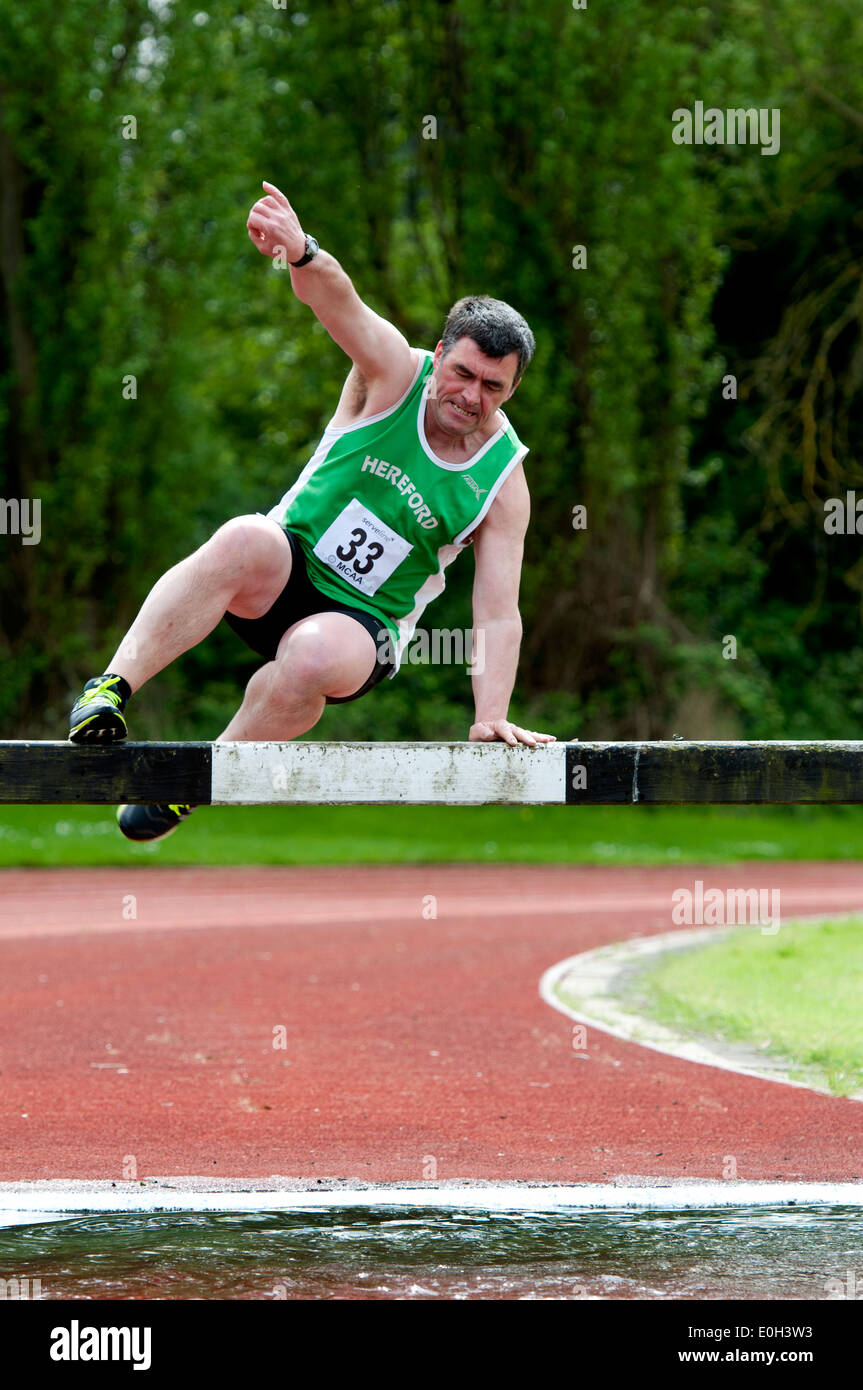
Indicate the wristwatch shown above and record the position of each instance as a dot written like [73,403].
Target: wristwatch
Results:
[312,250]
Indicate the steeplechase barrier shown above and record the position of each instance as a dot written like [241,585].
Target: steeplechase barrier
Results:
[672,773]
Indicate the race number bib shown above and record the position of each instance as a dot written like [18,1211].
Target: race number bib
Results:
[360,548]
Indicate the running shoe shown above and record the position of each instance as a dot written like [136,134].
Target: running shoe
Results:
[97,714]
[151,822]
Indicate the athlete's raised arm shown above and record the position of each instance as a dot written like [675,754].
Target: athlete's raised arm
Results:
[376,347]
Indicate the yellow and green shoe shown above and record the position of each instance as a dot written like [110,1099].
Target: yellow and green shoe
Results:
[151,822]
[97,714]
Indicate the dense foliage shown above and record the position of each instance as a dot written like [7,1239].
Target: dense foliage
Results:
[440,147]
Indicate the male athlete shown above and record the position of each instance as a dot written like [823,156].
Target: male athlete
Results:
[418,461]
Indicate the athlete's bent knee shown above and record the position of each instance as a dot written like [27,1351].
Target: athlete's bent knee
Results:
[313,665]
[308,663]
[248,539]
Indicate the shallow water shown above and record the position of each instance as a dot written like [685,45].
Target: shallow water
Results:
[406,1253]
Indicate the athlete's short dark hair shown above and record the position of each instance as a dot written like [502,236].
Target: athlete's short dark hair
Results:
[495,327]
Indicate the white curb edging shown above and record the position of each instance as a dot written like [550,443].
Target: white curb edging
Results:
[598,974]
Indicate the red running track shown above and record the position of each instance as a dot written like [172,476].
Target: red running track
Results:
[141,1007]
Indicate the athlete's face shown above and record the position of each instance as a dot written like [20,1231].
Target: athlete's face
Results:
[467,387]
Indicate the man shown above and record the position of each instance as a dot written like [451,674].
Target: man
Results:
[418,461]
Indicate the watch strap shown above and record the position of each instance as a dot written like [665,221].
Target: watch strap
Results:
[312,249]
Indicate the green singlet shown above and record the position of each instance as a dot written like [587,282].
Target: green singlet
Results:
[379,516]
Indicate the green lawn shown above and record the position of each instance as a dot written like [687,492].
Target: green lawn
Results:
[796,995]
[52,835]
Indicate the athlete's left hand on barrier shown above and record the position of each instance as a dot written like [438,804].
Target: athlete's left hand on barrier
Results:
[502,730]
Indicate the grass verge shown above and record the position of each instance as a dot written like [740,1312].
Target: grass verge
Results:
[795,995]
[638,835]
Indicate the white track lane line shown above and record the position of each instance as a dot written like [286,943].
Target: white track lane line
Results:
[23,1207]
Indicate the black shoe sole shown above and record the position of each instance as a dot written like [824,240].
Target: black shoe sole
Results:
[147,839]
[104,728]
[143,838]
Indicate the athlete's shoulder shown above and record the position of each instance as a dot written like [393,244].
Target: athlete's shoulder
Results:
[511,505]
[506,427]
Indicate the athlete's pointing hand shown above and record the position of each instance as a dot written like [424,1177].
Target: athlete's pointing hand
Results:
[273,225]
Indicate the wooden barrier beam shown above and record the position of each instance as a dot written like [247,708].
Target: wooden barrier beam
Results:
[678,773]
[73,774]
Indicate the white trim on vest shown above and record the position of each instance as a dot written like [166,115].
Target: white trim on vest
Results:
[493,491]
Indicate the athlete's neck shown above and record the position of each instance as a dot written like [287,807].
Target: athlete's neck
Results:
[457,448]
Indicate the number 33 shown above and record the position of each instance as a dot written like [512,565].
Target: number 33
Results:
[373,552]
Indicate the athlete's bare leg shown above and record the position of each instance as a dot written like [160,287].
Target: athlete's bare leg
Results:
[325,654]
[241,569]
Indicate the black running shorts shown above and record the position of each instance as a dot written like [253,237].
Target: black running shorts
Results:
[299,599]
